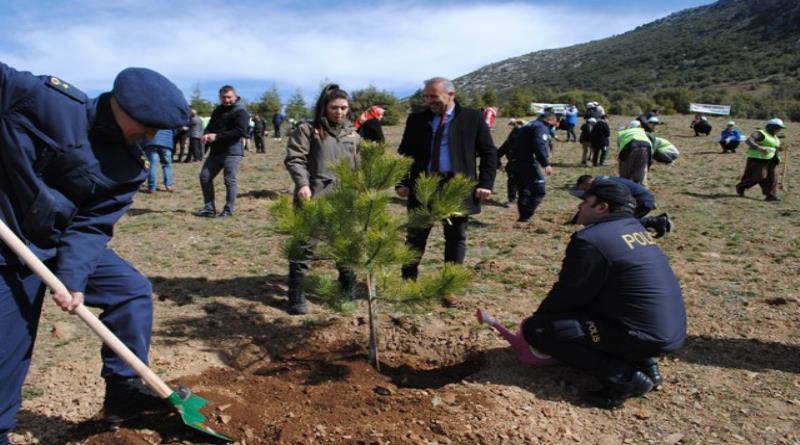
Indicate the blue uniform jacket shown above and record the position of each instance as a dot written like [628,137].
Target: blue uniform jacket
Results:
[614,270]
[66,173]
[644,199]
[532,144]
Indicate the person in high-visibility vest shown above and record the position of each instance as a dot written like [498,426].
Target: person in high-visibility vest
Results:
[635,153]
[762,161]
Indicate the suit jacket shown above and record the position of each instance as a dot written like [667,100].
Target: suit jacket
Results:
[468,138]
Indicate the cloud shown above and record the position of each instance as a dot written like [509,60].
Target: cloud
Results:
[393,46]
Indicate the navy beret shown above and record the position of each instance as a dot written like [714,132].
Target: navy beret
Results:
[150,98]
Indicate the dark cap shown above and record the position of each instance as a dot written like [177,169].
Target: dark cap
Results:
[150,98]
[608,191]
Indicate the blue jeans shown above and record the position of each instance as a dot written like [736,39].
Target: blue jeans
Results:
[156,154]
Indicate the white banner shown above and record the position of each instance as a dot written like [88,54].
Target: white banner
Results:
[537,107]
[722,110]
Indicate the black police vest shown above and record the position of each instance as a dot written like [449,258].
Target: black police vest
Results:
[641,290]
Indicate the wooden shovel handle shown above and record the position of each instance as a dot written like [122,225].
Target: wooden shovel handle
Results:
[108,337]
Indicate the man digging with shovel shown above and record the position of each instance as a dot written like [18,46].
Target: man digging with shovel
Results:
[69,167]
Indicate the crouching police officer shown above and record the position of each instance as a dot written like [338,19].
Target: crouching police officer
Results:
[69,167]
[617,303]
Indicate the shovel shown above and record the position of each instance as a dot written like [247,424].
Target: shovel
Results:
[784,183]
[187,404]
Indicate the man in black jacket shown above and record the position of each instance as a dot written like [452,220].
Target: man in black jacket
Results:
[617,303]
[445,139]
[531,154]
[228,125]
[599,141]
[505,150]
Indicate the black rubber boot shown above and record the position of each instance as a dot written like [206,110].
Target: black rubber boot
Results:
[669,225]
[129,398]
[297,303]
[347,282]
[614,394]
[650,368]
[297,300]
[410,272]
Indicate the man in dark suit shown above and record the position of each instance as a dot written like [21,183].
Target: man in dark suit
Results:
[445,139]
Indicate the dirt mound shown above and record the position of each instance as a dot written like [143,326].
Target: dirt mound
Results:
[332,397]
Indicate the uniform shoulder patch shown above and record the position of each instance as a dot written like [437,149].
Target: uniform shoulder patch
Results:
[66,89]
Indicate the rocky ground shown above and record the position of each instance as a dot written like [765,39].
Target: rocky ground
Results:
[221,329]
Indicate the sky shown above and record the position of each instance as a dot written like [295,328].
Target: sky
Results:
[296,46]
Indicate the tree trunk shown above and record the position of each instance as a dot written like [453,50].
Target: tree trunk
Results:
[373,323]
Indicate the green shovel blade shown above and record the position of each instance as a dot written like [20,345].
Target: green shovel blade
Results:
[188,405]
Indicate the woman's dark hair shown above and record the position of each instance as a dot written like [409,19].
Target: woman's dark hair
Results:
[330,92]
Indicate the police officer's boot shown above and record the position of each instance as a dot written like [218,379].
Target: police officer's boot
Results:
[410,272]
[297,300]
[347,283]
[616,391]
[128,398]
[661,224]
[650,368]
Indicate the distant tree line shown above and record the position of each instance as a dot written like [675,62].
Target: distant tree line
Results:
[667,101]
[783,100]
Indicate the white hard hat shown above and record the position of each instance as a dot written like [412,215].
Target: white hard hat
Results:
[731,124]
[777,122]
[592,120]
[703,118]
[589,104]
[653,120]
[634,124]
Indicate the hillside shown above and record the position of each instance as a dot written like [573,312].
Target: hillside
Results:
[728,46]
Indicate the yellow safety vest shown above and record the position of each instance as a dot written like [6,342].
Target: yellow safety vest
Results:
[770,142]
[627,135]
